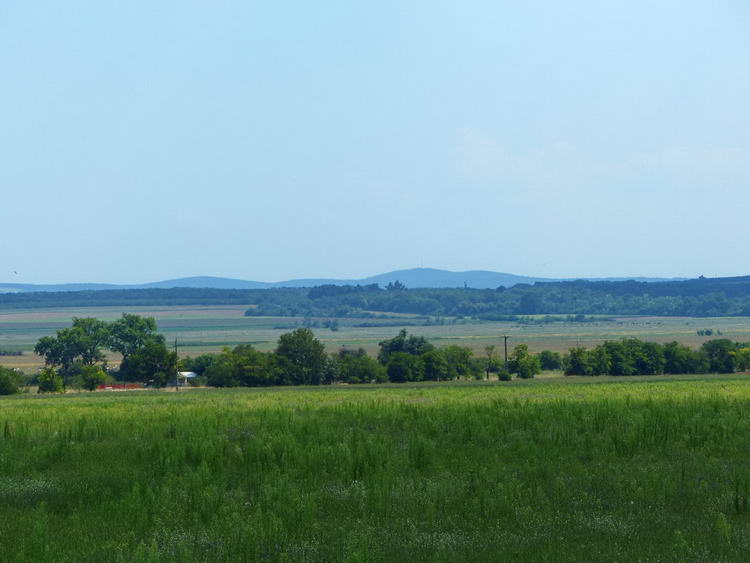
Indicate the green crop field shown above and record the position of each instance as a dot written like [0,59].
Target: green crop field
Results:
[633,470]
[199,329]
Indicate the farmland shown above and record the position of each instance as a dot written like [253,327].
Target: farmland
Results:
[200,329]
[638,469]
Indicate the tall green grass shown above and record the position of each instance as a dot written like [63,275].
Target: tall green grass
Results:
[656,471]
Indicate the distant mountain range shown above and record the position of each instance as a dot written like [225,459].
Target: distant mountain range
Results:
[413,278]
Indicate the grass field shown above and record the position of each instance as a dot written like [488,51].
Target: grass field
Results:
[638,469]
[207,329]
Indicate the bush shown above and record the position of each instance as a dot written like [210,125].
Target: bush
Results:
[200,381]
[197,364]
[435,366]
[523,363]
[404,367]
[50,381]
[550,360]
[721,355]
[10,380]
[576,362]
[528,367]
[504,375]
[89,377]
[357,367]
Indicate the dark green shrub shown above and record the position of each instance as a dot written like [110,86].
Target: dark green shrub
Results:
[10,381]
[200,381]
[404,367]
[50,381]
[90,377]
[550,360]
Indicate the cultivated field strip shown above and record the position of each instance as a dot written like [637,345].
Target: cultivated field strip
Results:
[201,329]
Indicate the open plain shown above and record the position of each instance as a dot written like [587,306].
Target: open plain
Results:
[199,329]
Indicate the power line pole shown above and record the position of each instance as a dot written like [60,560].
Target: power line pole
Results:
[505,338]
[177,380]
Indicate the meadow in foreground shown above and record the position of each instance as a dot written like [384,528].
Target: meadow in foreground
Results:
[652,470]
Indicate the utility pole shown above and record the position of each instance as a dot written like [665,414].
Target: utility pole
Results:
[177,380]
[505,338]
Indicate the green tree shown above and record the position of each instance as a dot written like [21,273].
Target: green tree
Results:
[650,358]
[403,342]
[81,343]
[254,368]
[302,358]
[599,362]
[504,375]
[91,335]
[10,381]
[621,358]
[742,358]
[357,367]
[491,363]
[550,360]
[90,376]
[518,354]
[521,362]
[404,367]
[198,364]
[50,381]
[224,370]
[130,333]
[435,365]
[55,352]
[151,363]
[395,286]
[458,360]
[576,362]
[679,358]
[720,354]
[529,367]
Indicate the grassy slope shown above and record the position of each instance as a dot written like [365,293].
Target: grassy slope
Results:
[648,470]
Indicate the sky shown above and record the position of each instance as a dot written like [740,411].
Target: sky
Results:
[147,140]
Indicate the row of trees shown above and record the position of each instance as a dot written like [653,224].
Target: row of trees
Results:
[570,298]
[636,357]
[76,355]
[300,359]
[699,297]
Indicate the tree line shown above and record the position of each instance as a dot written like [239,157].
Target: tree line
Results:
[300,359]
[636,357]
[699,298]
[75,357]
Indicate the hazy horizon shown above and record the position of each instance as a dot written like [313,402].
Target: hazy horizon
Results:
[152,141]
[353,278]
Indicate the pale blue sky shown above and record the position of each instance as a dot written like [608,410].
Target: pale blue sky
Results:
[272,140]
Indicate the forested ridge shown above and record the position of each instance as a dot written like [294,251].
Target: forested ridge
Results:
[698,297]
